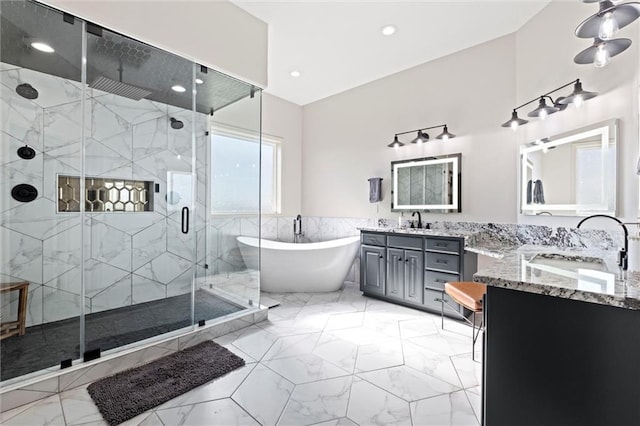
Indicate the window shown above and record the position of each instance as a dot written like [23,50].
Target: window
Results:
[236,171]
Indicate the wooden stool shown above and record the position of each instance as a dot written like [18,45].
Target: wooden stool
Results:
[12,328]
[469,295]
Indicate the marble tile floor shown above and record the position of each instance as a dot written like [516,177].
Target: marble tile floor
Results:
[45,345]
[336,359]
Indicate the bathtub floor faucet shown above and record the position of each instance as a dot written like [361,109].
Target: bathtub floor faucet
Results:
[297,229]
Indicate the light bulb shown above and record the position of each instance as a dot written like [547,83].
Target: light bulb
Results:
[514,125]
[445,137]
[545,150]
[396,146]
[602,56]
[578,101]
[543,115]
[608,27]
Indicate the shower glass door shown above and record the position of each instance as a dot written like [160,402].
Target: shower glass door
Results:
[40,234]
[139,169]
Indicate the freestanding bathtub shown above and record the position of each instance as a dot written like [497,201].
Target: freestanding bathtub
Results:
[300,268]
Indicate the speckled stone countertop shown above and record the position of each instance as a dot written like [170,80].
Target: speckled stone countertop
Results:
[426,232]
[474,241]
[611,287]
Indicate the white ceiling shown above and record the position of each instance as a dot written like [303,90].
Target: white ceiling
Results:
[337,45]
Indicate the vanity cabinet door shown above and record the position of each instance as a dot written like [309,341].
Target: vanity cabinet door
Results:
[395,273]
[413,276]
[372,269]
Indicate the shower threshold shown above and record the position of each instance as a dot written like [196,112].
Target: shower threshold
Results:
[46,345]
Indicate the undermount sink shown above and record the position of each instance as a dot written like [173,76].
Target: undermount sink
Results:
[591,273]
[568,263]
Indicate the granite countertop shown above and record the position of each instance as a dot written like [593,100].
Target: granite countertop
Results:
[610,287]
[421,231]
[474,241]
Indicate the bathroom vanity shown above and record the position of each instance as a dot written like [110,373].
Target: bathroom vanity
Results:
[410,267]
[562,341]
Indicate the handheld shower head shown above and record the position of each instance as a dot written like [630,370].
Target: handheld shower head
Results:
[176,124]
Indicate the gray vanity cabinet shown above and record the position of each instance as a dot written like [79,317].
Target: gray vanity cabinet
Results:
[395,273]
[404,274]
[372,270]
[413,272]
[412,269]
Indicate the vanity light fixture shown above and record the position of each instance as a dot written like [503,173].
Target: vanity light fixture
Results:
[577,97]
[396,143]
[422,136]
[601,52]
[602,27]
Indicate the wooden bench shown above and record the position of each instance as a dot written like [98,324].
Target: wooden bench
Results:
[18,327]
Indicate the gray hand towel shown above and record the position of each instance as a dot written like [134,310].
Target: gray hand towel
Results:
[538,192]
[375,190]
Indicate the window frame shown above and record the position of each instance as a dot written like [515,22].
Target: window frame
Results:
[225,130]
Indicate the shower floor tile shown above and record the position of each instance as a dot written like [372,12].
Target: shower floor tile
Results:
[45,345]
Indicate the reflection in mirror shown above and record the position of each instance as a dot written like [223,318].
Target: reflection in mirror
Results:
[428,184]
[573,174]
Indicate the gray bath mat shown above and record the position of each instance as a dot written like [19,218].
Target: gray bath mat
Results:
[131,392]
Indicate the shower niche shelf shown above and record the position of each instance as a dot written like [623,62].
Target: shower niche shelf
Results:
[105,195]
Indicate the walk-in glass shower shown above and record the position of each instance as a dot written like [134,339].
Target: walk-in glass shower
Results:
[106,209]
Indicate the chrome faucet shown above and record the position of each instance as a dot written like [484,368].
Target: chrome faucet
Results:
[419,219]
[623,261]
[297,229]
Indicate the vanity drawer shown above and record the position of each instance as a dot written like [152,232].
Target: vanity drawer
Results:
[436,280]
[405,242]
[443,262]
[432,301]
[374,239]
[450,246]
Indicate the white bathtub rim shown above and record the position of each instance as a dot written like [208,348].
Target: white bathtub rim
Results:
[277,245]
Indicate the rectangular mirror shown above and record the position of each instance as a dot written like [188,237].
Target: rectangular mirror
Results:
[429,184]
[572,174]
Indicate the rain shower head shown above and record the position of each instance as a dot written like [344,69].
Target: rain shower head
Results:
[119,88]
[176,124]
[27,91]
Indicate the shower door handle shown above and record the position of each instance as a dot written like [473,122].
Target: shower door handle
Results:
[185,220]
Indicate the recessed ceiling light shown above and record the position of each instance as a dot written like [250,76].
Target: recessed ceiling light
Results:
[295,73]
[199,81]
[178,88]
[388,30]
[43,47]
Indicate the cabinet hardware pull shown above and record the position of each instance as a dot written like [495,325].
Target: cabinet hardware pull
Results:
[441,245]
[381,257]
[399,259]
[442,261]
[440,281]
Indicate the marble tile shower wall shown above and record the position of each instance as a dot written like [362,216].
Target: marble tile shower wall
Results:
[130,257]
[223,232]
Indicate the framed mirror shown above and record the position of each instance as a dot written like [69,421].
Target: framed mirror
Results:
[572,174]
[431,184]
